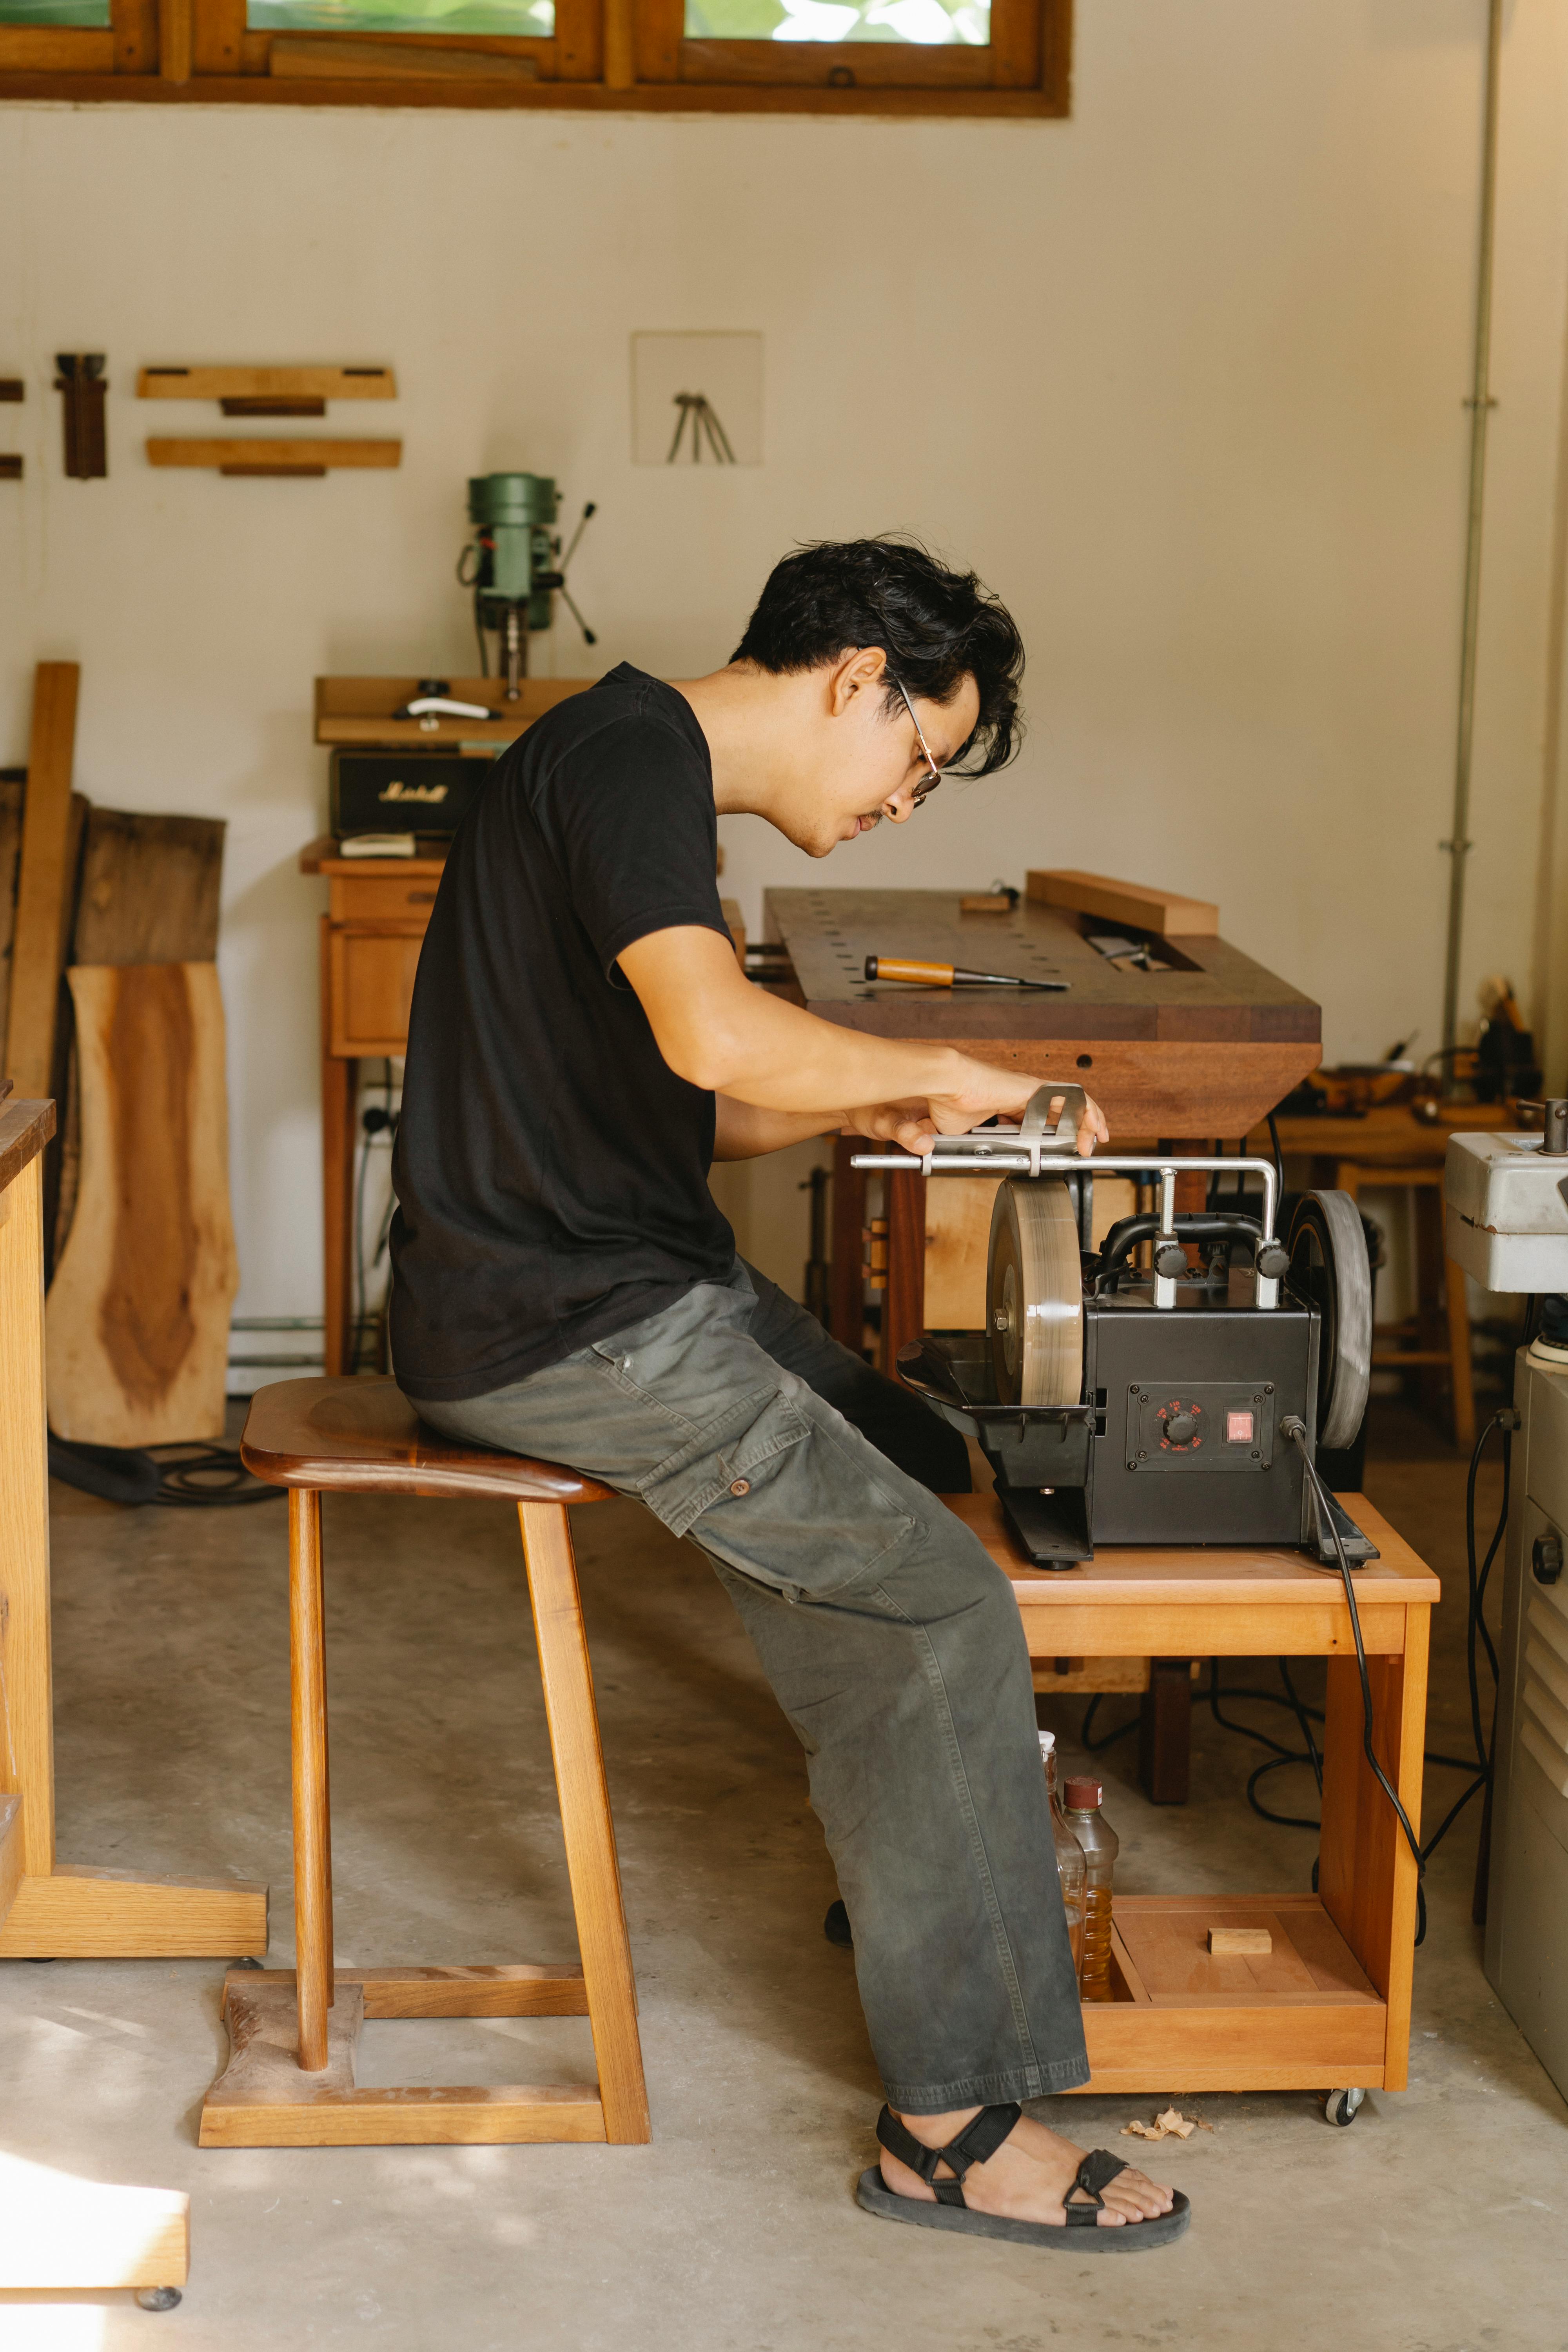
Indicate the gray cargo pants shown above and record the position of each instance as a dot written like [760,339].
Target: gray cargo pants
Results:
[891,1640]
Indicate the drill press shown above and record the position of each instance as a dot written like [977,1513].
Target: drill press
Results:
[514,567]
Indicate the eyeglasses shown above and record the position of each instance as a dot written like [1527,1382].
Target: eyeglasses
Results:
[933,777]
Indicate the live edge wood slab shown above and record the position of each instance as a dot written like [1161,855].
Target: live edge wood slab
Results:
[1328,2006]
[50,1909]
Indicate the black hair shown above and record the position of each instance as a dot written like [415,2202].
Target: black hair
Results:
[937,628]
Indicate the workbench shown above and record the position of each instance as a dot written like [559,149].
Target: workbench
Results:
[1330,2007]
[1200,1051]
[50,1909]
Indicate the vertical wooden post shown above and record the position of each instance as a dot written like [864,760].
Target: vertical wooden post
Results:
[903,1301]
[1366,1872]
[620,44]
[43,884]
[174,40]
[1165,1732]
[312,1827]
[26,1724]
[585,1821]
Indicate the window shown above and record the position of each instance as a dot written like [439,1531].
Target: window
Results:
[906,57]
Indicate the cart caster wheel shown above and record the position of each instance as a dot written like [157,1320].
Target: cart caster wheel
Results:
[157,2298]
[1343,2106]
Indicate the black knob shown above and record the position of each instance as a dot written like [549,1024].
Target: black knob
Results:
[1181,1429]
[1546,1557]
[1170,1259]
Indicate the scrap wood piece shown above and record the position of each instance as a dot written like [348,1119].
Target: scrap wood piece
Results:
[138,1311]
[44,879]
[1240,1943]
[1170,2124]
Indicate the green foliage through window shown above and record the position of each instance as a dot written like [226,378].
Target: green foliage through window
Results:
[81,15]
[533,19]
[929,24]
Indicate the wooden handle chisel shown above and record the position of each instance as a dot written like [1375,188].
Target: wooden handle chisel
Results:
[947,976]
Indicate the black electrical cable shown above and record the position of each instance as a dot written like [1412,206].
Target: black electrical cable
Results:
[1106,1739]
[1295,1428]
[1278,1162]
[208,1476]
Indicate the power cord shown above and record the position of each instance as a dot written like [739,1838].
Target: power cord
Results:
[1293,1427]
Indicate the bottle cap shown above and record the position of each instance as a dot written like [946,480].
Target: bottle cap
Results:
[1047,1741]
[1083,1795]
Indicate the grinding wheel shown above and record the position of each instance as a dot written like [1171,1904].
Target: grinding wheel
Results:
[1330,1269]
[1034,1294]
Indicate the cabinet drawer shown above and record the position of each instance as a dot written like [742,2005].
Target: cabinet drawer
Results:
[371,989]
[376,898]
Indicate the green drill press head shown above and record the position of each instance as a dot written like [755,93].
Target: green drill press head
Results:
[512,515]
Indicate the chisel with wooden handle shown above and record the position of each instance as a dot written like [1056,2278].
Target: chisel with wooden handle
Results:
[947,976]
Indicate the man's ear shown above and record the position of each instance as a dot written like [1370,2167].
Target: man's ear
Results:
[853,674]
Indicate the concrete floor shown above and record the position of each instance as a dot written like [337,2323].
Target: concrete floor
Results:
[1435,2225]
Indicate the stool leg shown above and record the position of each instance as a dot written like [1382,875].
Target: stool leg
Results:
[585,1821]
[312,1834]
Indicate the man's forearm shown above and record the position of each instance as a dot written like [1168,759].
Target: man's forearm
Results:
[741,1131]
[727,1034]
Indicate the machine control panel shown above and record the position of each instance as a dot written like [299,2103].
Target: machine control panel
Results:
[1202,1425]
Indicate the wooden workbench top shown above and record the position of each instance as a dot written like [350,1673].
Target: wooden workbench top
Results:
[1219,994]
[1231,1575]
[24,1128]
[1389,1131]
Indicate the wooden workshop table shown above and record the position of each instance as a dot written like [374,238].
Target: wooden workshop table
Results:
[51,1909]
[1330,2007]
[1199,1052]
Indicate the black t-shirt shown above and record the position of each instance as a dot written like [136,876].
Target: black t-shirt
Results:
[551,1169]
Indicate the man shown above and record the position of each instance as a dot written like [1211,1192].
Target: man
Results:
[583,1046]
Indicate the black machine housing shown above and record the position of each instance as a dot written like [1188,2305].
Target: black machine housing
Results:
[1177,1438]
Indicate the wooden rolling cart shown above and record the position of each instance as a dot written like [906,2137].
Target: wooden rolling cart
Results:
[1328,2008]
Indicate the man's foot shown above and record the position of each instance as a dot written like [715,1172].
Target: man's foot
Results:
[1027,2176]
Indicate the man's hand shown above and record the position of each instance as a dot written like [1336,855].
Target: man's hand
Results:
[915,1125]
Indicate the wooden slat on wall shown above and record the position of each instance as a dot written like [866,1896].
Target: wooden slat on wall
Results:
[43,880]
[11,790]
[138,1311]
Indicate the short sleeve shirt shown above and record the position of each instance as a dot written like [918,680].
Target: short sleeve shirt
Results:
[551,1169]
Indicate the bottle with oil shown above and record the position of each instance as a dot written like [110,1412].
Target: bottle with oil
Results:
[1101,1846]
[1072,1868]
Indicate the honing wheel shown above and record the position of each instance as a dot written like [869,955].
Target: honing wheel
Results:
[1329,1268]
[1033,1294]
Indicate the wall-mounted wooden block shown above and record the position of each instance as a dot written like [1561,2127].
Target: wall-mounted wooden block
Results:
[12,388]
[10,469]
[252,383]
[1132,903]
[260,457]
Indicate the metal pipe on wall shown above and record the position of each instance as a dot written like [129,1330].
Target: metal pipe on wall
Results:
[1480,405]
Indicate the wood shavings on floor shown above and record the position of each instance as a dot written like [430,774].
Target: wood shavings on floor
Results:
[1170,2124]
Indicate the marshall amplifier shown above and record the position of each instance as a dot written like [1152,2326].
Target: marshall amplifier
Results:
[403,791]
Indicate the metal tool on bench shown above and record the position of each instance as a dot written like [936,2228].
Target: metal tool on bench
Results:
[1507,1198]
[515,565]
[1119,1406]
[916,972]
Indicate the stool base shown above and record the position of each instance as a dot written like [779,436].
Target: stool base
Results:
[264,2098]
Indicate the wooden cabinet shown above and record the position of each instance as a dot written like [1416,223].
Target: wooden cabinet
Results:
[371,936]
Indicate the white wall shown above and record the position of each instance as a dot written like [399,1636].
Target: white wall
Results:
[1183,378]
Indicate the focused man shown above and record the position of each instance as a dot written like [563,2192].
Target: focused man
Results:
[582,1046]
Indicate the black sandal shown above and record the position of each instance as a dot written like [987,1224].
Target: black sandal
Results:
[981,2138]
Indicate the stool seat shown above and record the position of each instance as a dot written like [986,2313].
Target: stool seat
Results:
[289,2080]
[360,1435]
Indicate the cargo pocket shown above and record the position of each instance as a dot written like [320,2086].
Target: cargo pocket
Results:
[791,1507]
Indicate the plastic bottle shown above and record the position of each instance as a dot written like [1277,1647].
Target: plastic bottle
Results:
[1072,1868]
[1101,1846]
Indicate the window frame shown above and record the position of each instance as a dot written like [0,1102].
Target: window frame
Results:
[605,56]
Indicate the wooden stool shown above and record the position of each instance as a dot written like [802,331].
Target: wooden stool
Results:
[289,2078]
[1433,1273]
